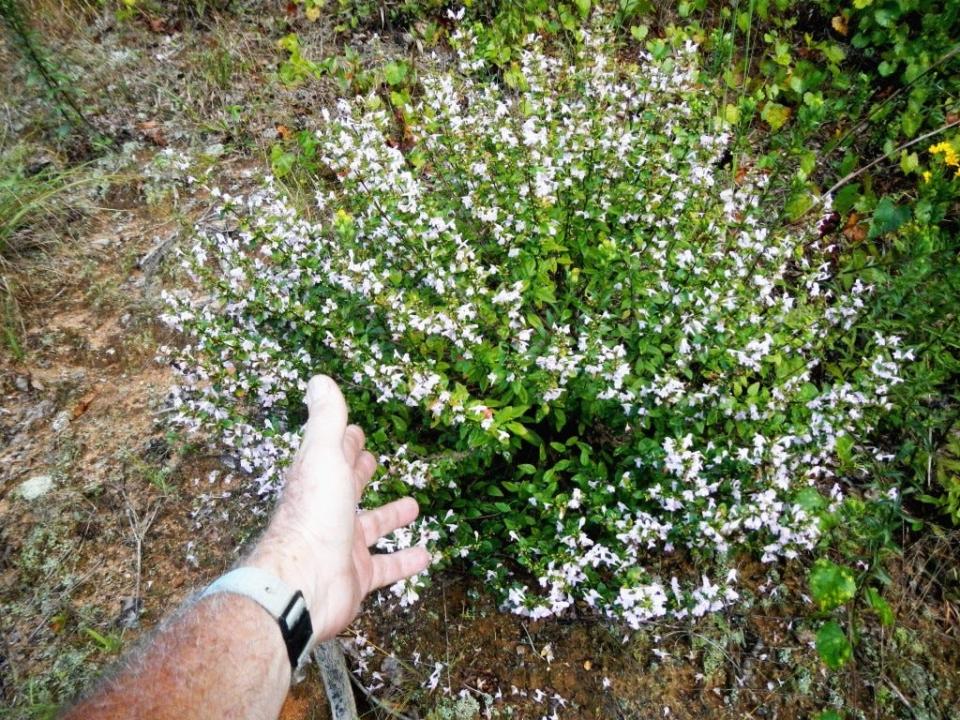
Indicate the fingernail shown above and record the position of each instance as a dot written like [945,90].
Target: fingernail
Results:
[318,388]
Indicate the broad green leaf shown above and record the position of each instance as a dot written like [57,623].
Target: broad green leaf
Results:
[844,448]
[813,100]
[832,646]
[798,204]
[887,217]
[775,115]
[910,123]
[845,198]
[831,585]
[731,113]
[281,161]
[884,17]
[828,715]
[810,500]
[908,162]
[395,72]
[833,53]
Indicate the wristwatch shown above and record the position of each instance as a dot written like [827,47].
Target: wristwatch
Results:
[285,605]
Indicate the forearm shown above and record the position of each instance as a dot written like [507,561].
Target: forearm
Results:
[225,656]
[222,657]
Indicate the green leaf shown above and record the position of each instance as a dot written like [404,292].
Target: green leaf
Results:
[831,585]
[810,500]
[910,122]
[833,53]
[731,113]
[832,645]
[583,6]
[281,161]
[846,197]
[828,715]
[887,217]
[775,115]
[884,17]
[395,72]
[908,162]
[798,204]
[844,448]
[522,432]
[880,606]
[639,32]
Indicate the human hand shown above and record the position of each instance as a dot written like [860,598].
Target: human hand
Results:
[316,541]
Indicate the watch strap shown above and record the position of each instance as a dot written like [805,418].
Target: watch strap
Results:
[285,605]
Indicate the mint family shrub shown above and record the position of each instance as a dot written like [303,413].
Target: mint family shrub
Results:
[593,355]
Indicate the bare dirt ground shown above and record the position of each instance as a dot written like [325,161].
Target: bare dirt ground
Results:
[109,518]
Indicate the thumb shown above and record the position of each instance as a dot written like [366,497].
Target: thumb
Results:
[328,416]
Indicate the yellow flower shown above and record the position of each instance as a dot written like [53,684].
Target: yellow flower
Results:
[926,176]
[946,149]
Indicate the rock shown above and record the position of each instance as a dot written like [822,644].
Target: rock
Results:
[392,670]
[150,262]
[22,383]
[130,609]
[61,421]
[37,412]
[35,487]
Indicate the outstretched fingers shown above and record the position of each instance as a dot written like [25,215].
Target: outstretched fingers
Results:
[353,442]
[387,518]
[363,469]
[388,569]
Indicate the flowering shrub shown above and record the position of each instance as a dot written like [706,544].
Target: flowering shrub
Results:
[596,358]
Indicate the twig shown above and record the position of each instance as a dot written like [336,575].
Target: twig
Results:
[139,527]
[857,173]
[336,680]
[530,640]
[446,636]
[376,701]
[7,658]
[900,695]
[902,89]
[404,664]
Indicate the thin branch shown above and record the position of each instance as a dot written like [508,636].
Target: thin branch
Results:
[876,111]
[856,173]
